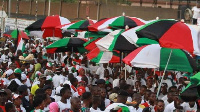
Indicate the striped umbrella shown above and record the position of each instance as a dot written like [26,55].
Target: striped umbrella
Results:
[79,25]
[119,22]
[87,34]
[98,56]
[14,34]
[169,34]
[154,56]
[115,41]
[48,25]
[73,44]
[90,45]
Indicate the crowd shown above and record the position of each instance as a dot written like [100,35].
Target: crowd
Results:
[35,81]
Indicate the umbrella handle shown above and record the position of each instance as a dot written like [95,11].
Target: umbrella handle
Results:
[163,74]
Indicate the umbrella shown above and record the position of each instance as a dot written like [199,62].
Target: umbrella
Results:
[82,24]
[87,34]
[98,56]
[48,25]
[154,56]
[119,22]
[14,34]
[192,88]
[90,45]
[73,44]
[115,41]
[169,34]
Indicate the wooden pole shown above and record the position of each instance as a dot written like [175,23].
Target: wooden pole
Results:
[36,9]
[2,19]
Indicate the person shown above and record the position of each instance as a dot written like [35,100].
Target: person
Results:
[160,106]
[75,105]
[42,79]
[87,101]
[121,101]
[100,70]
[48,91]
[196,13]
[81,72]
[65,94]
[23,92]
[2,99]
[38,104]
[96,101]
[104,101]
[9,107]
[137,100]
[152,101]
[17,102]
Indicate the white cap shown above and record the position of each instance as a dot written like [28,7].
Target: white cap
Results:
[23,77]
[1,49]
[9,72]
[15,96]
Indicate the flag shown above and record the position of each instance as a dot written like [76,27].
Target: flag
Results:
[19,43]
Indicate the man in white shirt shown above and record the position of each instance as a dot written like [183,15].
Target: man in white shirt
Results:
[64,102]
[196,13]
[56,78]
[100,70]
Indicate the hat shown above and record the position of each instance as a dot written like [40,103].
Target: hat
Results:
[53,107]
[1,49]
[15,96]
[17,71]
[22,88]
[123,93]
[2,91]
[113,97]
[100,81]
[23,77]
[47,87]
[81,90]
[6,48]
[9,72]
[49,64]
[42,76]
[38,73]
[49,78]
[5,61]
[80,70]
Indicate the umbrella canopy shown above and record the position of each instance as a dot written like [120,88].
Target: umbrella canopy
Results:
[193,88]
[119,22]
[169,34]
[14,34]
[82,25]
[48,25]
[115,41]
[90,45]
[73,44]
[154,56]
[87,34]
[98,56]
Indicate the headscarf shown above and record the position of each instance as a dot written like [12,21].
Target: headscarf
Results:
[37,68]
[53,107]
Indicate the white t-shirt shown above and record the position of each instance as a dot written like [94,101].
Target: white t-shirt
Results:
[63,106]
[93,110]
[56,80]
[187,108]
[100,72]
[170,107]
[196,12]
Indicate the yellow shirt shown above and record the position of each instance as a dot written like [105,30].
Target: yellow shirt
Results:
[33,89]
